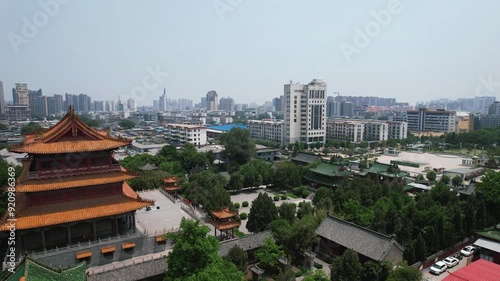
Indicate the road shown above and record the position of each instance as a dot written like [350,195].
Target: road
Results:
[431,277]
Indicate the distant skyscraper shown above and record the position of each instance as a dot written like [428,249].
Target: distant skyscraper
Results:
[226,104]
[162,102]
[59,103]
[2,99]
[346,108]
[305,112]
[203,102]
[212,100]
[20,94]
[332,107]
[278,104]
[131,104]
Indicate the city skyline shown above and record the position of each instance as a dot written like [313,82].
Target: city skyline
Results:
[406,58]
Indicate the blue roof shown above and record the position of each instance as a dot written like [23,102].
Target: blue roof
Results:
[227,127]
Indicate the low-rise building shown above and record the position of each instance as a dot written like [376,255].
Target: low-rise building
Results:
[266,130]
[397,130]
[341,130]
[376,131]
[179,134]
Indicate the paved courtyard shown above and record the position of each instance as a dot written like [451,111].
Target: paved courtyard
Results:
[431,277]
[163,216]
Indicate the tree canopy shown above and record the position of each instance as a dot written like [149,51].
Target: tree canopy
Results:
[262,212]
[239,146]
[31,128]
[126,124]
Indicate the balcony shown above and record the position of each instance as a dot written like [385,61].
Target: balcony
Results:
[67,172]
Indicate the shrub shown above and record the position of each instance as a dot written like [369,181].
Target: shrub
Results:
[244,204]
[243,216]
[298,190]
[237,205]
[317,265]
[298,273]
[305,193]
[301,204]
[276,198]
[283,196]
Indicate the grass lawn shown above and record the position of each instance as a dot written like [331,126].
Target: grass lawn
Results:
[291,195]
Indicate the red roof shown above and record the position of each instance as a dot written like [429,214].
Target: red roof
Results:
[480,270]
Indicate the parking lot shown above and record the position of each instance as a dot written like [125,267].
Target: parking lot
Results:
[431,277]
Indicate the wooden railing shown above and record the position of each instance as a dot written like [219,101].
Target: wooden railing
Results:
[73,171]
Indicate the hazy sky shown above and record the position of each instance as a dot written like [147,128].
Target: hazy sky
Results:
[245,49]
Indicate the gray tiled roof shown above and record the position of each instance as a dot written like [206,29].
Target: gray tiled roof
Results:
[247,243]
[364,241]
[306,158]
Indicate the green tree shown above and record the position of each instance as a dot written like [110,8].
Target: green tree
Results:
[208,189]
[237,256]
[287,212]
[262,212]
[420,177]
[269,254]
[126,124]
[405,273]
[317,275]
[3,127]
[169,152]
[193,250]
[306,209]
[445,179]
[420,249]
[431,176]
[457,181]
[288,175]
[489,190]
[347,267]
[236,182]
[220,270]
[374,271]
[239,146]
[31,128]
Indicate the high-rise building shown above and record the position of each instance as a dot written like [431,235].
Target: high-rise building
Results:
[131,104]
[278,104]
[492,119]
[2,99]
[20,94]
[494,108]
[346,109]
[226,104]
[212,101]
[99,105]
[425,120]
[110,106]
[305,112]
[162,101]
[58,103]
[332,107]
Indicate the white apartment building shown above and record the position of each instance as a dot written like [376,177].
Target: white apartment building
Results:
[262,130]
[305,112]
[376,131]
[425,120]
[179,134]
[345,130]
[397,130]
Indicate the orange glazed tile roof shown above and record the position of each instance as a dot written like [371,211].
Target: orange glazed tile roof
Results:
[72,211]
[170,180]
[72,182]
[223,225]
[171,188]
[224,214]
[67,136]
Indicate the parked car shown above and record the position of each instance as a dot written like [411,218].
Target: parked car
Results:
[467,251]
[438,268]
[450,262]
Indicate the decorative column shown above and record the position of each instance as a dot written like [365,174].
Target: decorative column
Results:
[69,234]
[94,230]
[115,224]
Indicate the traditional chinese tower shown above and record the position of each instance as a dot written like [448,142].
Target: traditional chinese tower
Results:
[71,189]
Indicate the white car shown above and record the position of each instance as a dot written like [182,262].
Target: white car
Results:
[438,268]
[467,251]
[450,262]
